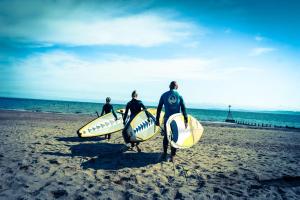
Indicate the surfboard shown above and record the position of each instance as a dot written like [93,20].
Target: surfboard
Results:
[121,111]
[140,129]
[181,137]
[102,125]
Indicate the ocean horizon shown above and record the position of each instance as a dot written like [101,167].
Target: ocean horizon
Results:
[274,118]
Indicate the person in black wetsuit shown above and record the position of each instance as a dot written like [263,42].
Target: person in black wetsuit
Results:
[108,108]
[135,106]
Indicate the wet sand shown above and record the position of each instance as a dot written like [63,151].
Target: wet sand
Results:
[41,157]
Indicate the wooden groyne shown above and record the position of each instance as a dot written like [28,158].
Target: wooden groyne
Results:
[264,125]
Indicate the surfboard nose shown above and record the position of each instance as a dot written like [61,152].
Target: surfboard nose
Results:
[79,134]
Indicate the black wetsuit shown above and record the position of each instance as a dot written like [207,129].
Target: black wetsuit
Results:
[108,108]
[135,106]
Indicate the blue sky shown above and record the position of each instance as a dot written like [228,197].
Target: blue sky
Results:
[243,53]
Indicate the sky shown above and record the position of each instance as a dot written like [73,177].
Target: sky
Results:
[221,52]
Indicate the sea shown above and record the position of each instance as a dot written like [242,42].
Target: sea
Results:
[274,118]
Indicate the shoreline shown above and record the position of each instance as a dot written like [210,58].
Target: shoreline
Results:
[205,123]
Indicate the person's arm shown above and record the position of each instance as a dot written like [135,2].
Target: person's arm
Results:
[146,111]
[102,110]
[126,113]
[159,108]
[183,110]
[113,112]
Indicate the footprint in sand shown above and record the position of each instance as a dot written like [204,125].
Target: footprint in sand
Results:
[179,195]
[45,169]
[164,191]
[59,193]
[24,167]
[79,197]
[53,161]
[219,190]
[236,193]
[221,175]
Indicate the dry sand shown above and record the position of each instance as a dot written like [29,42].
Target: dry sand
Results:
[41,157]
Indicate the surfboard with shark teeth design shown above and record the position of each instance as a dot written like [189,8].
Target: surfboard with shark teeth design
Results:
[102,125]
[141,129]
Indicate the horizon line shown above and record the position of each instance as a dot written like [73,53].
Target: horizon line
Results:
[152,104]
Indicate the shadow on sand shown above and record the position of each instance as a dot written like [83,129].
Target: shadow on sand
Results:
[121,160]
[78,139]
[285,181]
[108,156]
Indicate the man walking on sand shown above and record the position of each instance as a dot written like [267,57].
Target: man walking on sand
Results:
[173,102]
[108,108]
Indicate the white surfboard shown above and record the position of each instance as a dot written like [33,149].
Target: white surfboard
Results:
[140,129]
[102,125]
[181,137]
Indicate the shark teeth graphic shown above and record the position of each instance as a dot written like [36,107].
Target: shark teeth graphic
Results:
[104,125]
[143,125]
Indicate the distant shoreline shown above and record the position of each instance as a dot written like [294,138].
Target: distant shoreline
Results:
[205,123]
[269,119]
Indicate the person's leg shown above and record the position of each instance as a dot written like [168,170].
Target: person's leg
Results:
[108,136]
[137,147]
[165,141]
[165,144]
[173,151]
[125,134]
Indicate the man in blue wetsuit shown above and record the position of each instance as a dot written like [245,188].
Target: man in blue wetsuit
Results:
[108,108]
[135,106]
[173,102]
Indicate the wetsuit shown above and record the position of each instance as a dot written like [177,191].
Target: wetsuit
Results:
[135,106]
[173,102]
[108,108]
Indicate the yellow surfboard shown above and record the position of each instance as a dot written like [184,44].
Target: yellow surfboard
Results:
[181,137]
[140,129]
[102,125]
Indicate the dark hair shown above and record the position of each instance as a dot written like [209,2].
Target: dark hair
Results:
[173,85]
[134,94]
[108,99]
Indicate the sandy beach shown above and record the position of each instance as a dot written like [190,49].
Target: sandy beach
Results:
[41,157]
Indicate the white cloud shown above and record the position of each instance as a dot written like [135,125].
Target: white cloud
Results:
[81,24]
[261,50]
[138,30]
[65,67]
[66,75]
[61,74]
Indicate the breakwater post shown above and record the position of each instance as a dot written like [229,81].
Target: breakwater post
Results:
[229,116]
